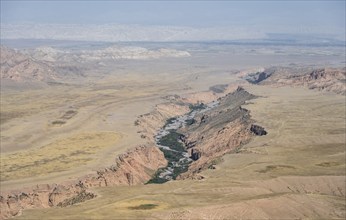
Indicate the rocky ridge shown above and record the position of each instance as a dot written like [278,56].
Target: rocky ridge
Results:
[219,131]
[207,136]
[50,65]
[322,79]
[149,123]
[19,67]
[133,167]
[113,52]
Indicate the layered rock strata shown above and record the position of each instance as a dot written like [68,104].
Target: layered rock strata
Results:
[133,167]
[218,131]
[322,79]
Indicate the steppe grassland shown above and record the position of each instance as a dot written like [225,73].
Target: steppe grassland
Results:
[306,132]
[35,145]
[305,143]
[41,127]
[57,156]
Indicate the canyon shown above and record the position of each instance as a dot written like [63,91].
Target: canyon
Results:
[253,138]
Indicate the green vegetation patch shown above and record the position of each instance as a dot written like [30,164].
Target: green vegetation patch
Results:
[172,140]
[178,170]
[58,122]
[328,164]
[170,121]
[69,114]
[275,167]
[173,156]
[190,122]
[156,178]
[198,106]
[143,207]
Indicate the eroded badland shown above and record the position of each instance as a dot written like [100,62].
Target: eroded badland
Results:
[219,131]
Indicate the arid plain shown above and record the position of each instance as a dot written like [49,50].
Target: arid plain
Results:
[54,132]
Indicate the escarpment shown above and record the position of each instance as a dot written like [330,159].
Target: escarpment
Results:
[218,131]
[133,167]
[322,79]
[193,141]
[149,123]
[43,196]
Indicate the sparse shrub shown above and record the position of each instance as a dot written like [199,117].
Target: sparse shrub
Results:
[170,121]
[172,140]
[190,121]
[58,122]
[198,106]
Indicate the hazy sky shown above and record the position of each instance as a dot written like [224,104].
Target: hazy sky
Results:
[323,17]
[178,13]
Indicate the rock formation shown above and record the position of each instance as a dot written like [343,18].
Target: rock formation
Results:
[323,79]
[43,196]
[258,130]
[151,122]
[258,77]
[222,129]
[133,167]
[195,154]
[18,67]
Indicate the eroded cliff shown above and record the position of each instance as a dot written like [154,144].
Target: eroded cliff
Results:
[133,167]
[218,131]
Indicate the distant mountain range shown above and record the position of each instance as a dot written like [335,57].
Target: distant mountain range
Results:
[40,64]
[18,67]
[130,33]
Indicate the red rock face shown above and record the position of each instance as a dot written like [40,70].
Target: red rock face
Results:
[130,168]
[133,167]
[218,131]
[227,140]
